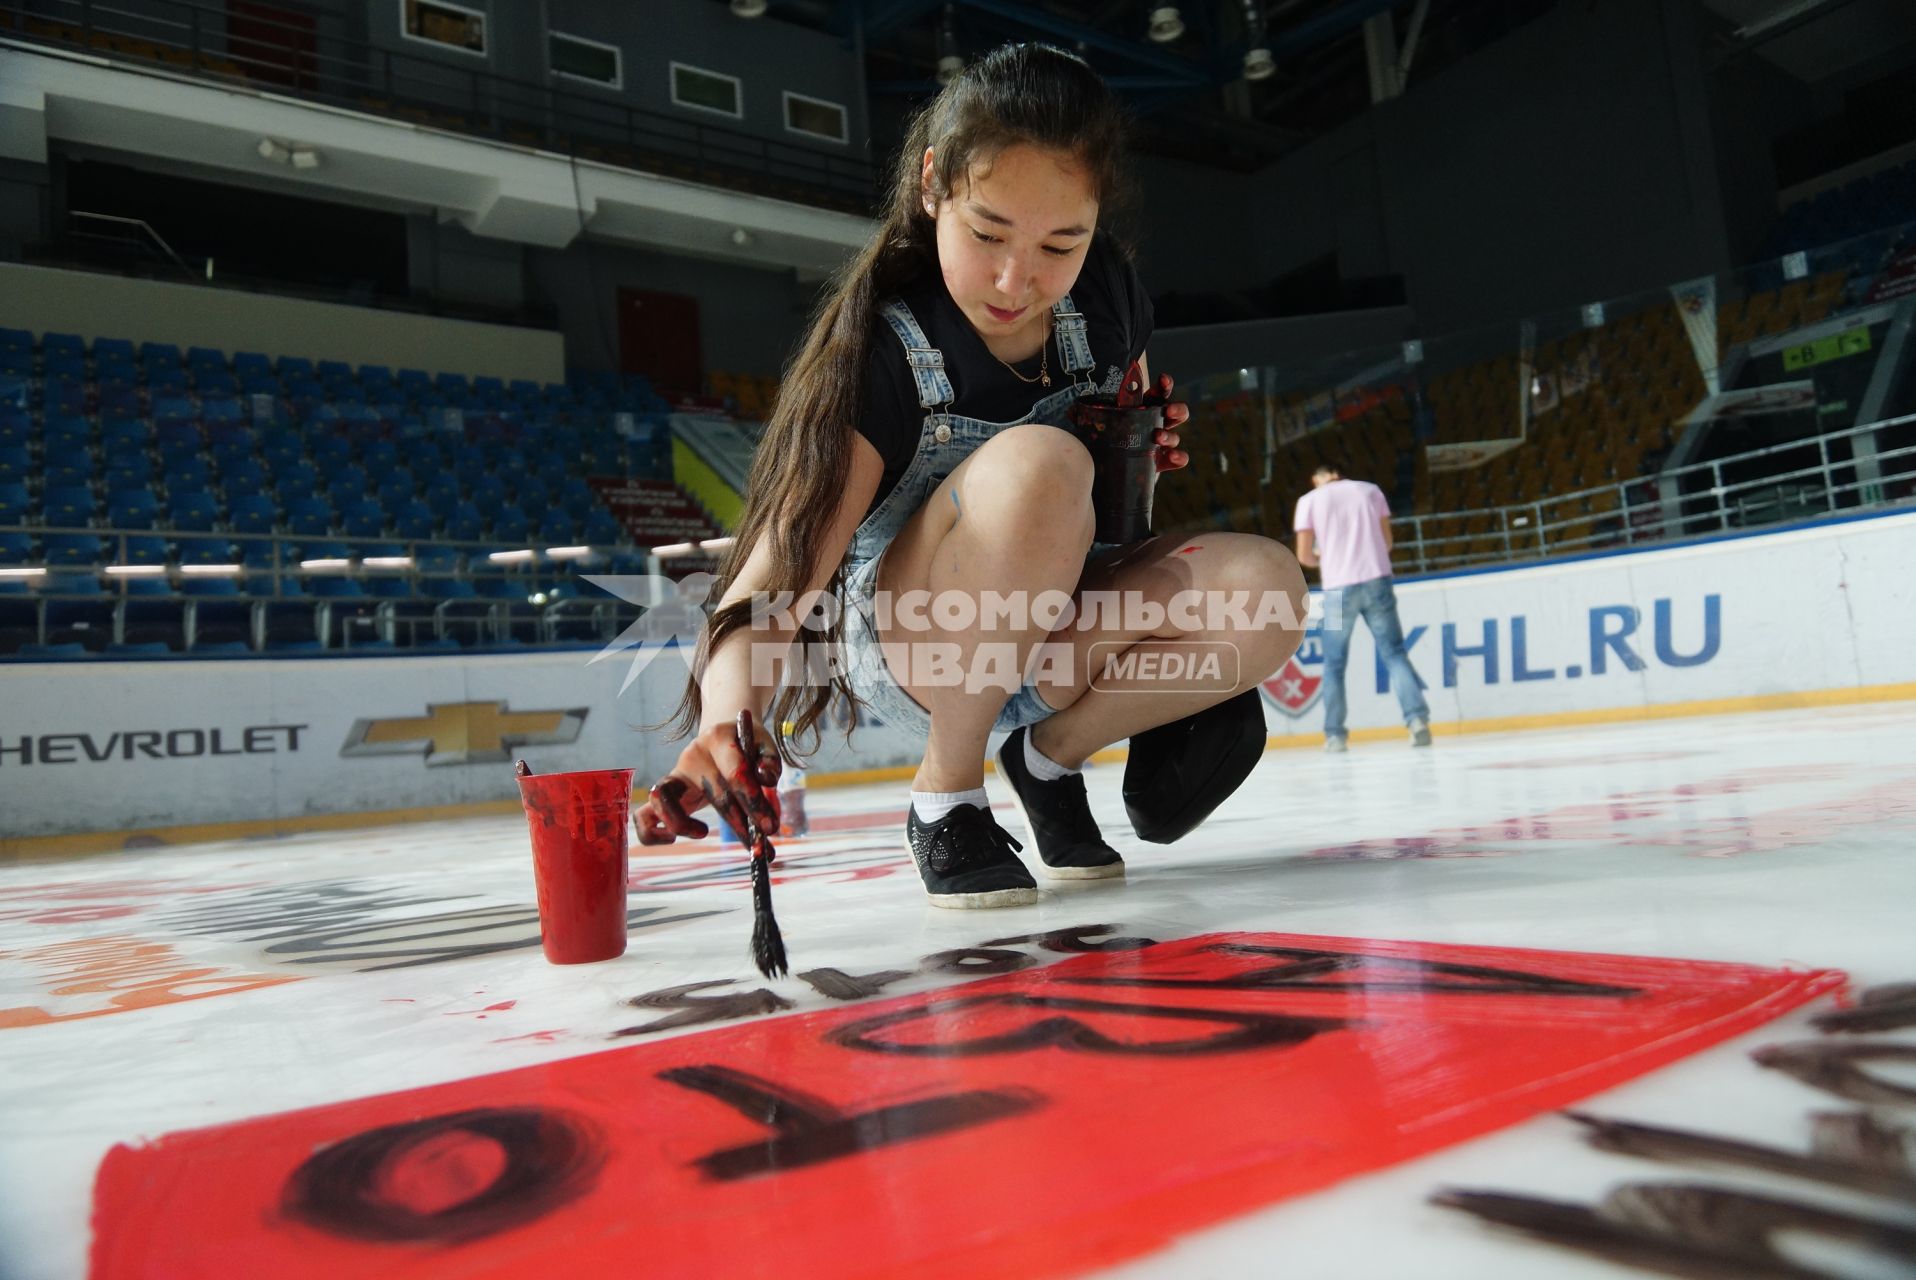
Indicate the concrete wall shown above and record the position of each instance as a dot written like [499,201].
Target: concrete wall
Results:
[749,319]
[1571,161]
[41,298]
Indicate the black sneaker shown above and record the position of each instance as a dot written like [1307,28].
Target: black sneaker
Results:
[966,860]
[1058,817]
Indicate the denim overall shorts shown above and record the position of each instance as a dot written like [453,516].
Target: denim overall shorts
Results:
[945,440]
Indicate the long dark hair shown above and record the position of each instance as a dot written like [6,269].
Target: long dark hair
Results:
[1019,93]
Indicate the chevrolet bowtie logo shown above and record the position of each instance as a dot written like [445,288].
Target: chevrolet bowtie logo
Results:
[463,733]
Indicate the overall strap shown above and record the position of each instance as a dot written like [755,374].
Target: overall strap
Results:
[1073,346]
[927,362]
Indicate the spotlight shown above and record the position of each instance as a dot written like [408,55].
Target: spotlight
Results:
[950,67]
[749,8]
[1166,24]
[270,150]
[1259,64]
[305,158]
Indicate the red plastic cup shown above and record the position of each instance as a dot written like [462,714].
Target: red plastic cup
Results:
[579,823]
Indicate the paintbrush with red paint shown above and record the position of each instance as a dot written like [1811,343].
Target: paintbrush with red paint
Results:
[751,809]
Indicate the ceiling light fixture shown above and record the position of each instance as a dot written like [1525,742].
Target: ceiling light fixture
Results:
[748,8]
[1259,64]
[1166,24]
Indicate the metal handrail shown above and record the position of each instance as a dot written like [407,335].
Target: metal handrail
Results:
[143,225]
[191,38]
[1662,509]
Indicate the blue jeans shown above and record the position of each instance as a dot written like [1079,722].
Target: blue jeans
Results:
[1376,603]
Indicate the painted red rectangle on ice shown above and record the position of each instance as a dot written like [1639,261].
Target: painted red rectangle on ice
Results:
[1043,1122]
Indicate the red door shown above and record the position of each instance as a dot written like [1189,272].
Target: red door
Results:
[659,337]
[273,44]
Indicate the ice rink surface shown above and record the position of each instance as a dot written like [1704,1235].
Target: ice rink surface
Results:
[1368,981]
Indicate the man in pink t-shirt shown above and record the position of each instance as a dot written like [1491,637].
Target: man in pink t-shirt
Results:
[1343,531]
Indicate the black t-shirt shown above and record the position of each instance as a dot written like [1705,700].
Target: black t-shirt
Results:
[1118,322]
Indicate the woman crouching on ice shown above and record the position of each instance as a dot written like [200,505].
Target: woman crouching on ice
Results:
[915,447]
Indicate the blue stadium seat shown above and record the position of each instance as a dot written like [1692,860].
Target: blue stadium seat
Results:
[309,517]
[159,353]
[489,494]
[166,377]
[331,452]
[558,529]
[81,549]
[15,505]
[509,524]
[364,518]
[132,509]
[279,448]
[187,473]
[71,367]
[289,367]
[205,358]
[396,486]
[379,456]
[221,407]
[346,485]
[295,480]
[465,524]
[129,431]
[138,548]
[252,513]
[172,408]
[113,349]
[62,344]
[452,384]
[69,507]
[410,520]
[252,364]
[442,493]
[66,431]
[121,402]
[415,381]
[333,371]
[15,549]
[601,530]
[15,340]
[60,467]
[208,551]
[192,510]
[16,430]
[242,476]
[128,469]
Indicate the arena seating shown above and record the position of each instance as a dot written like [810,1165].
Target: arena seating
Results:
[1636,376]
[137,478]
[1882,199]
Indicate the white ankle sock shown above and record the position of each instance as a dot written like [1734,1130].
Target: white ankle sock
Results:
[933,805]
[1043,767]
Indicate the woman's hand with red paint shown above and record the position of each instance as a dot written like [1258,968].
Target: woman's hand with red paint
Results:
[1170,457]
[712,770]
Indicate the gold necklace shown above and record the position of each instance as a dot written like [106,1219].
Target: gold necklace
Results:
[1043,377]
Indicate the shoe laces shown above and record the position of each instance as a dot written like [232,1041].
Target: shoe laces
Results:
[1067,809]
[961,841]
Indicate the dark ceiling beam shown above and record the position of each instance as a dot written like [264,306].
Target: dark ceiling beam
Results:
[1327,26]
[1139,51]
[885,16]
